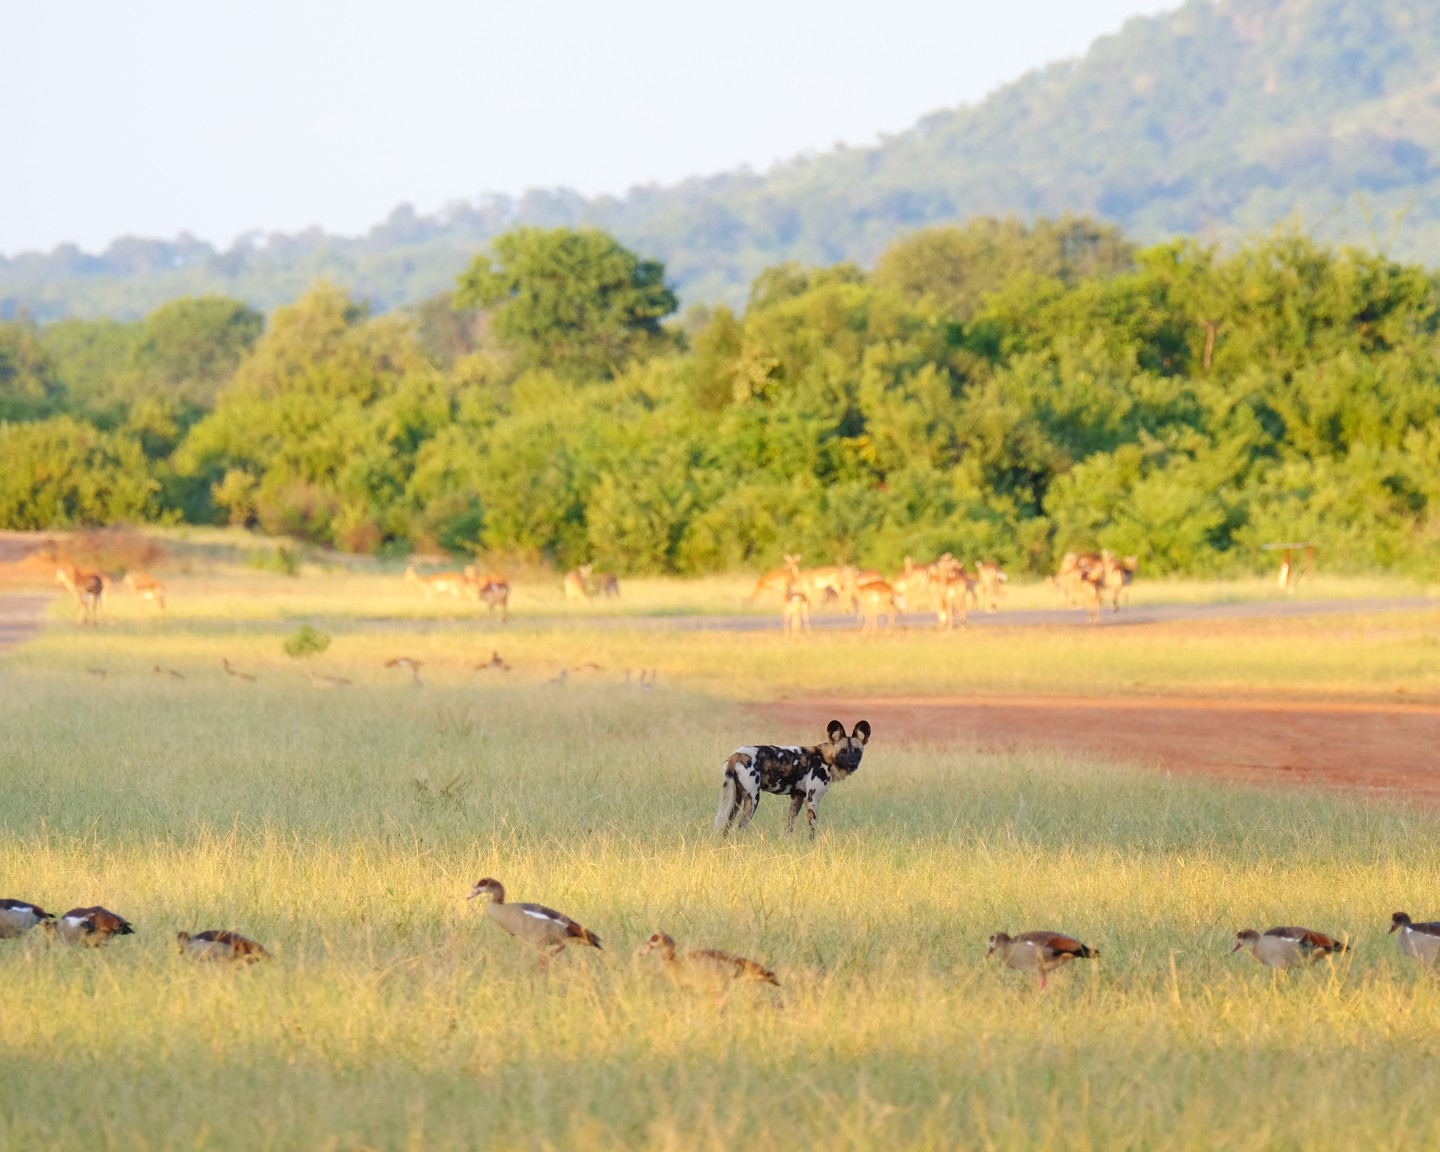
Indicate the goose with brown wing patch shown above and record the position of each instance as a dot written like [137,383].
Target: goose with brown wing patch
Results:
[1283,948]
[220,944]
[1042,951]
[706,969]
[91,926]
[540,927]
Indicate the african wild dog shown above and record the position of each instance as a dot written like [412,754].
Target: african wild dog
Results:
[802,773]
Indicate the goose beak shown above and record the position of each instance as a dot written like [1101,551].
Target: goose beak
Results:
[1393,928]
[1237,948]
[644,949]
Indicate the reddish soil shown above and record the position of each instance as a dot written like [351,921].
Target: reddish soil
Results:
[1368,746]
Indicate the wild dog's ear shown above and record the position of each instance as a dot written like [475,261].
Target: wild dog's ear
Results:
[862,732]
[835,732]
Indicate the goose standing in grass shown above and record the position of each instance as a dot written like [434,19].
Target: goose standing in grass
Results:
[220,944]
[91,926]
[495,663]
[706,969]
[235,673]
[538,926]
[1283,948]
[17,917]
[170,672]
[1421,941]
[1042,951]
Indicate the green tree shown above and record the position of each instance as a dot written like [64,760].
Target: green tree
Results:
[570,301]
[61,473]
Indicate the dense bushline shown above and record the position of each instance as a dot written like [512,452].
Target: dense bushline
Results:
[994,390]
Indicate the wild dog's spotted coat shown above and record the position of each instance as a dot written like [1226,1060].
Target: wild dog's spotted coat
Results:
[802,773]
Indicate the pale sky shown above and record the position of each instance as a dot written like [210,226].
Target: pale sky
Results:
[160,116]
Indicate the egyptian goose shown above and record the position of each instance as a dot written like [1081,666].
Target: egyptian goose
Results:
[706,968]
[538,926]
[1041,951]
[19,916]
[494,662]
[235,673]
[92,926]
[220,944]
[560,681]
[1283,948]
[1421,941]
[170,672]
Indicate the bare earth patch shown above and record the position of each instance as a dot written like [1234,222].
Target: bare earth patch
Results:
[1368,746]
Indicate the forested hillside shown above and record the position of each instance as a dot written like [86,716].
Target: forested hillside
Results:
[1217,121]
[993,391]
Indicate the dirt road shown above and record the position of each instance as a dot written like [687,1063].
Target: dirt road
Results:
[1374,747]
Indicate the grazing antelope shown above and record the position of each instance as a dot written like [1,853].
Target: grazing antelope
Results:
[409,665]
[777,579]
[797,613]
[833,582]
[990,581]
[442,583]
[92,926]
[147,588]
[17,917]
[89,590]
[489,589]
[706,969]
[235,673]
[575,583]
[536,925]
[1042,951]
[1421,941]
[608,586]
[1119,575]
[802,772]
[877,599]
[220,944]
[1284,948]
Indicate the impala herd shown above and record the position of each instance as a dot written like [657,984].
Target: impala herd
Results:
[944,586]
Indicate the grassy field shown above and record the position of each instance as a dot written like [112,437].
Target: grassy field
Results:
[343,828]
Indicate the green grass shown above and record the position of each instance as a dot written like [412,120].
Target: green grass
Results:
[342,829]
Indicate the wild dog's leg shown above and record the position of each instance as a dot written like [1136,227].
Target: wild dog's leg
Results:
[748,803]
[812,811]
[795,801]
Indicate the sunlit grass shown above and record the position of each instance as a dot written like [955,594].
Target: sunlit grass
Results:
[343,828]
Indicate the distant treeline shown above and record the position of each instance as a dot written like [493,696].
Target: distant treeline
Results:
[997,391]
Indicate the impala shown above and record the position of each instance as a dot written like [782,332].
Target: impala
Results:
[489,589]
[878,598]
[89,590]
[447,583]
[797,613]
[575,588]
[990,582]
[608,586]
[777,579]
[147,588]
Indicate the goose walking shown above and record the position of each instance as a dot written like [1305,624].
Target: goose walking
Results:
[1421,941]
[1283,948]
[1042,951]
[220,944]
[536,925]
[91,926]
[235,673]
[410,665]
[706,968]
[17,917]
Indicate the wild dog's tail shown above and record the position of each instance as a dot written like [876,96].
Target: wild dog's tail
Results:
[729,791]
